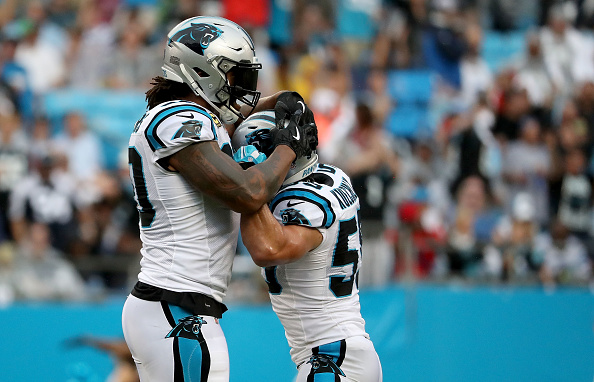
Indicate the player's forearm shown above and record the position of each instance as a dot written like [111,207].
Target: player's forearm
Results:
[257,186]
[264,238]
[267,103]
[214,173]
[273,170]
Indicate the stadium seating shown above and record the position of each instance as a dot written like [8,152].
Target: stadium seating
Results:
[411,86]
[110,114]
[407,121]
[411,91]
[501,48]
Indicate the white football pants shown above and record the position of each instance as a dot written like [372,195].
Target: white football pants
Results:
[350,360]
[170,344]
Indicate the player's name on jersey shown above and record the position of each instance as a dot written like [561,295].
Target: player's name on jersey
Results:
[345,194]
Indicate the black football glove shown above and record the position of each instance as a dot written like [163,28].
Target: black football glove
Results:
[302,139]
[288,104]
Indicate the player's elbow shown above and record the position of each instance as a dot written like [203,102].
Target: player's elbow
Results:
[273,257]
[265,257]
[263,262]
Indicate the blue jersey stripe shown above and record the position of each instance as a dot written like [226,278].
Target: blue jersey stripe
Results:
[310,196]
[151,131]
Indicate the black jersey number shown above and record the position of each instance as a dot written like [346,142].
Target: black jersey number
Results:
[145,207]
[343,255]
[342,285]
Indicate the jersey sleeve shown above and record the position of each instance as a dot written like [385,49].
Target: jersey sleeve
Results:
[176,128]
[301,206]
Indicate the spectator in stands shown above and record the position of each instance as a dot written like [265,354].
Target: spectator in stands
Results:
[468,145]
[109,229]
[40,140]
[475,75]
[526,167]
[471,222]
[397,40]
[13,161]
[565,260]
[585,103]
[575,207]
[513,109]
[40,271]
[366,156]
[563,49]
[45,196]
[50,33]
[312,28]
[334,107]
[422,177]
[511,255]
[533,75]
[420,238]
[443,41]
[43,63]
[14,80]
[91,49]
[377,96]
[483,120]
[134,62]
[83,151]
[574,131]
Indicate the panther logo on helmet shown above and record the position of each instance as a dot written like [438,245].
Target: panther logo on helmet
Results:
[197,36]
[261,139]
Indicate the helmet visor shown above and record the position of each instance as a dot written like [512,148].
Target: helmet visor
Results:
[242,80]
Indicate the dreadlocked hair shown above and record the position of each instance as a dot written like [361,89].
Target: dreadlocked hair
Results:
[164,90]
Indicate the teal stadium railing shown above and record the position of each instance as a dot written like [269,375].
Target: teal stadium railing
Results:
[422,333]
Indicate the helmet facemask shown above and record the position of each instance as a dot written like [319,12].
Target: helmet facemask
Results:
[240,87]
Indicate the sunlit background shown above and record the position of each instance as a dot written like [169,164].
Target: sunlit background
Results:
[466,126]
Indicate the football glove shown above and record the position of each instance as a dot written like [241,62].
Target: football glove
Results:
[302,139]
[288,104]
[248,156]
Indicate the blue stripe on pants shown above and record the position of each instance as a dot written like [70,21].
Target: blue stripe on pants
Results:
[325,377]
[193,354]
[331,349]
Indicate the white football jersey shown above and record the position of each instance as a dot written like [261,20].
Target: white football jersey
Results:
[189,239]
[316,297]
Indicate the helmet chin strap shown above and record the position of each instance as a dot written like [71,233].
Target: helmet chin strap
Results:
[226,116]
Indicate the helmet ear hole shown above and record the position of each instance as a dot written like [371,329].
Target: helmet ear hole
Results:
[201,73]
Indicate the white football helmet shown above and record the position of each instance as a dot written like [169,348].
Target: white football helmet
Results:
[255,130]
[216,58]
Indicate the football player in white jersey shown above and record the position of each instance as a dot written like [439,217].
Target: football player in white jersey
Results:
[189,193]
[308,242]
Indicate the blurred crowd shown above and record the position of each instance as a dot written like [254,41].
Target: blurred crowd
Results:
[495,185]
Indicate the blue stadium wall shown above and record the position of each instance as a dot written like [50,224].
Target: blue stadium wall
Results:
[423,333]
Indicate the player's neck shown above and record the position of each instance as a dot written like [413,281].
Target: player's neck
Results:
[199,100]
